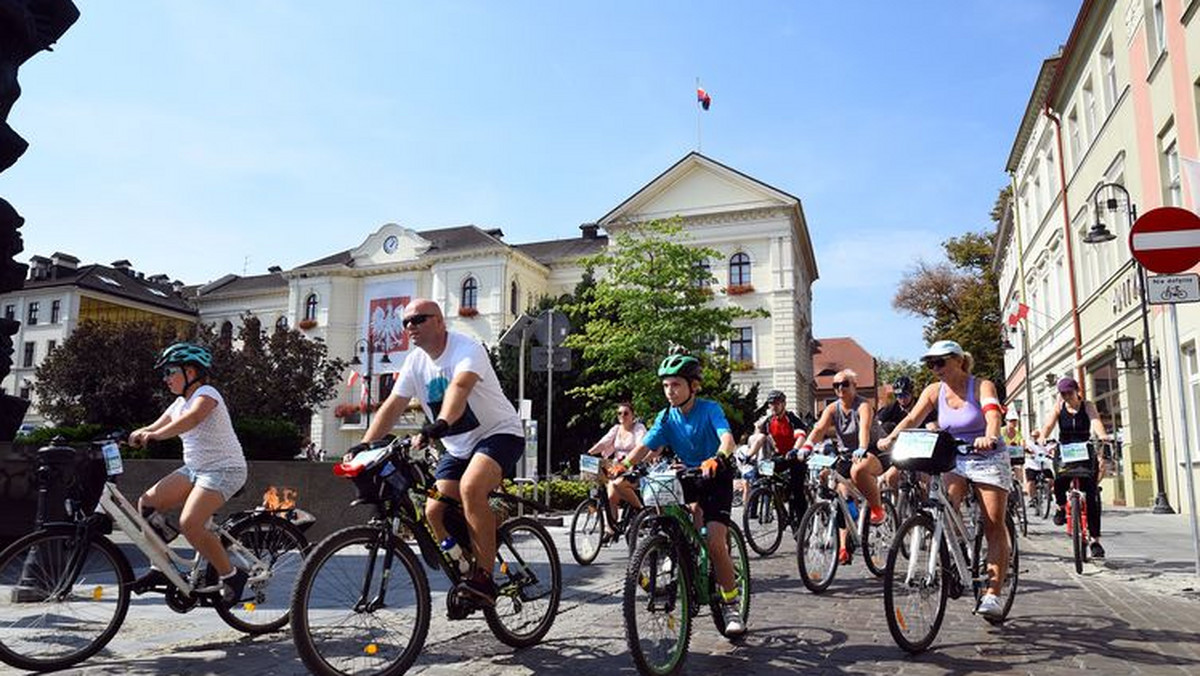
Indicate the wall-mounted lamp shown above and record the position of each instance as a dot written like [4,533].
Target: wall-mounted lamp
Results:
[1124,346]
[1051,380]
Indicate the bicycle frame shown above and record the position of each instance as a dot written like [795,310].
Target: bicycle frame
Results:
[949,528]
[833,481]
[677,520]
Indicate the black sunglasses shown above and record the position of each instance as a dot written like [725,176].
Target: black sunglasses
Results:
[838,386]
[936,362]
[415,320]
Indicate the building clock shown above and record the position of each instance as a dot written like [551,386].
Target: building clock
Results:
[390,244]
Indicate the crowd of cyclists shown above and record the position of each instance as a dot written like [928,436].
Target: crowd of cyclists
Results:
[481,437]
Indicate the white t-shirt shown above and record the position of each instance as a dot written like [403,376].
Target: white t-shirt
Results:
[211,444]
[487,412]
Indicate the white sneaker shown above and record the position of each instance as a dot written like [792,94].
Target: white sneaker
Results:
[734,625]
[989,606]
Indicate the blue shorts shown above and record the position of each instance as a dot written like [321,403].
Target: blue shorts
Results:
[226,481]
[505,449]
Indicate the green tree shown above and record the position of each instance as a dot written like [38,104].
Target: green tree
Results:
[889,369]
[103,374]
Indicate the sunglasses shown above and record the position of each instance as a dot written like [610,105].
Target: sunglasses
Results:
[936,362]
[840,385]
[172,371]
[415,320]
[624,413]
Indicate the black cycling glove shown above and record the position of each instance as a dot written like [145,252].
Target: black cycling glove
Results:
[436,429]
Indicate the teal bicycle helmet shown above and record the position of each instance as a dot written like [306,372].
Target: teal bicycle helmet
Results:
[185,354]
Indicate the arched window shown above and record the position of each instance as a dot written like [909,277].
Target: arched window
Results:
[514,299]
[227,331]
[739,270]
[310,307]
[470,293]
[281,324]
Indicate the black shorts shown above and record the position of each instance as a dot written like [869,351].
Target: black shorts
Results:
[1037,474]
[715,495]
[505,449]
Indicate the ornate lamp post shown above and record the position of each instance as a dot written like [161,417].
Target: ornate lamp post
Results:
[1099,234]
[364,345]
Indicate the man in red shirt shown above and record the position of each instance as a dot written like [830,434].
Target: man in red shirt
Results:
[786,432]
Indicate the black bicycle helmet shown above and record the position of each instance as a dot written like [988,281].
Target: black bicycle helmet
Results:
[903,385]
[775,395]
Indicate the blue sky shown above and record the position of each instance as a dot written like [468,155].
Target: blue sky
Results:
[200,138]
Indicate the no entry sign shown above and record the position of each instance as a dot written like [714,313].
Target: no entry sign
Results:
[1166,240]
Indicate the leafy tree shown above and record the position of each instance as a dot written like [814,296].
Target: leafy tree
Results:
[889,369]
[103,374]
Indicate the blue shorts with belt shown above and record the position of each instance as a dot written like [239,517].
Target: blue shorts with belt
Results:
[505,449]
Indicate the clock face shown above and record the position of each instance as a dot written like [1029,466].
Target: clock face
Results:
[390,244]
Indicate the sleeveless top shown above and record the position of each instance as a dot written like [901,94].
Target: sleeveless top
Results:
[1074,427]
[965,423]
[845,425]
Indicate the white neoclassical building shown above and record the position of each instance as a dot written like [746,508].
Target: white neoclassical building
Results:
[353,299]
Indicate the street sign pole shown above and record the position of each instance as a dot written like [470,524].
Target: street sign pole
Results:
[549,399]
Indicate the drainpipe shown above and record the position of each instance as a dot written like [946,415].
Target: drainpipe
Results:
[1062,182]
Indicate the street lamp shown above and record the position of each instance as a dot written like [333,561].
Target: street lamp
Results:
[1099,234]
[364,345]
[1030,409]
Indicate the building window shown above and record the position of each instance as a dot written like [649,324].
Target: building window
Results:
[1108,64]
[50,345]
[1160,29]
[703,278]
[27,361]
[741,345]
[1106,395]
[310,308]
[514,299]
[227,332]
[1191,371]
[55,311]
[470,294]
[10,312]
[739,270]
[1089,111]
[386,382]
[25,393]
[1173,191]
[1074,138]
[281,324]
[32,317]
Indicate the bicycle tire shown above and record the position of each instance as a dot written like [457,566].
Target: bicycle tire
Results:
[674,578]
[1012,576]
[588,521]
[1077,533]
[1047,498]
[35,565]
[741,572]
[919,527]
[280,544]
[763,521]
[519,583]
[1024,520]
[875,553]
[329,587]
[818,536]
[637,528]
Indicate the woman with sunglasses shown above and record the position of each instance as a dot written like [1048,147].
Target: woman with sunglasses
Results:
[851,419]
[214,467]
[618,442]
[969,409]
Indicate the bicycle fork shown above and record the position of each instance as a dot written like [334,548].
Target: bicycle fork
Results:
[363,605]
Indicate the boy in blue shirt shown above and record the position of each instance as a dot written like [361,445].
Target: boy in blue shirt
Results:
[698,433]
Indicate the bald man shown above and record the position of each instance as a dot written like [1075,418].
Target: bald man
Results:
[452,377]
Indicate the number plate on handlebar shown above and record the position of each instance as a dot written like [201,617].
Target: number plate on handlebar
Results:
[589,464]
[1071,453]
[820,461]
[766,468]
[912,446]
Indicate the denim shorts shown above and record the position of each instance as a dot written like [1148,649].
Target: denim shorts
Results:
[992,469]
[505,449]
[226,481]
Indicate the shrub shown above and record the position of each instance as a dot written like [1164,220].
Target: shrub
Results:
[565,494]
[78,433]
[268,439]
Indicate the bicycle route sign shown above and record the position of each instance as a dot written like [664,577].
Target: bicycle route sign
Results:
[1167,289]
[1166,240]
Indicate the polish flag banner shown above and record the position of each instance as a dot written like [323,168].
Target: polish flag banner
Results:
[1022,311]
[354,377]
[703,98]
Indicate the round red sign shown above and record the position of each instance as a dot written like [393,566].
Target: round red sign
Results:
[1166,240]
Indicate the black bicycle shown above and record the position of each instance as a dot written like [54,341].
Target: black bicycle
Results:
[591,523]
[767,510]
[362,602]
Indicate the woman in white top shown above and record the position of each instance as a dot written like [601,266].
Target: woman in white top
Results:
[618,442]
[214,467]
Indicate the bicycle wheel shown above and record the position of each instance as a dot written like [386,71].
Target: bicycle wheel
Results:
[638,527]
[1022,511]
[763,520]
[817,546]
[877,540]
[741,575]
[1047,499]
[280,547]
[914,586]
[657,606]
[1078,542]
[350,615]
[1008,590]
[59,603]
[587,530]
[529,583]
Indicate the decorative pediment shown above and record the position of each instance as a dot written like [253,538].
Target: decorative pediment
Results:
[388,245]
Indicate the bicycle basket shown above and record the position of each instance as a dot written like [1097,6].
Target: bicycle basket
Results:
[1075,460]
[660,489]
[924,451]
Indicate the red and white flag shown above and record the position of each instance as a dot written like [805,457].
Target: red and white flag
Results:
[354,377]
[703,98]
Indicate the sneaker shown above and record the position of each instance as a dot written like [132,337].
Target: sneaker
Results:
[1097,550]
[734,625]
[989,606]
[878,516]
[233,586]
[479,588]
[843,556]
[151,579]
[1060,517]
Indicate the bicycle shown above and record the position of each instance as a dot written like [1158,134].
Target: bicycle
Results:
[670,575]
[819,541]
[1017,507]
[938,554]
[65,588]
[1077,461]
[767,510]
[1042,498]
[590,523]
[362,602]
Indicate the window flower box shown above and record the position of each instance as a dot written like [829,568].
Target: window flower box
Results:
[746,365]
[349,414]
[468,312]
[307,324]
[739,289]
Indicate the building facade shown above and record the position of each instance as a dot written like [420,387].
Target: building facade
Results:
[1117,105]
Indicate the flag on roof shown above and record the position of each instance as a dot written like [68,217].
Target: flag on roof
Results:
[703,98]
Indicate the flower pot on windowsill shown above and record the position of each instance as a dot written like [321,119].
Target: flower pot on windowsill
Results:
[467,312]
[307,324]
[739,289]
[741,366]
